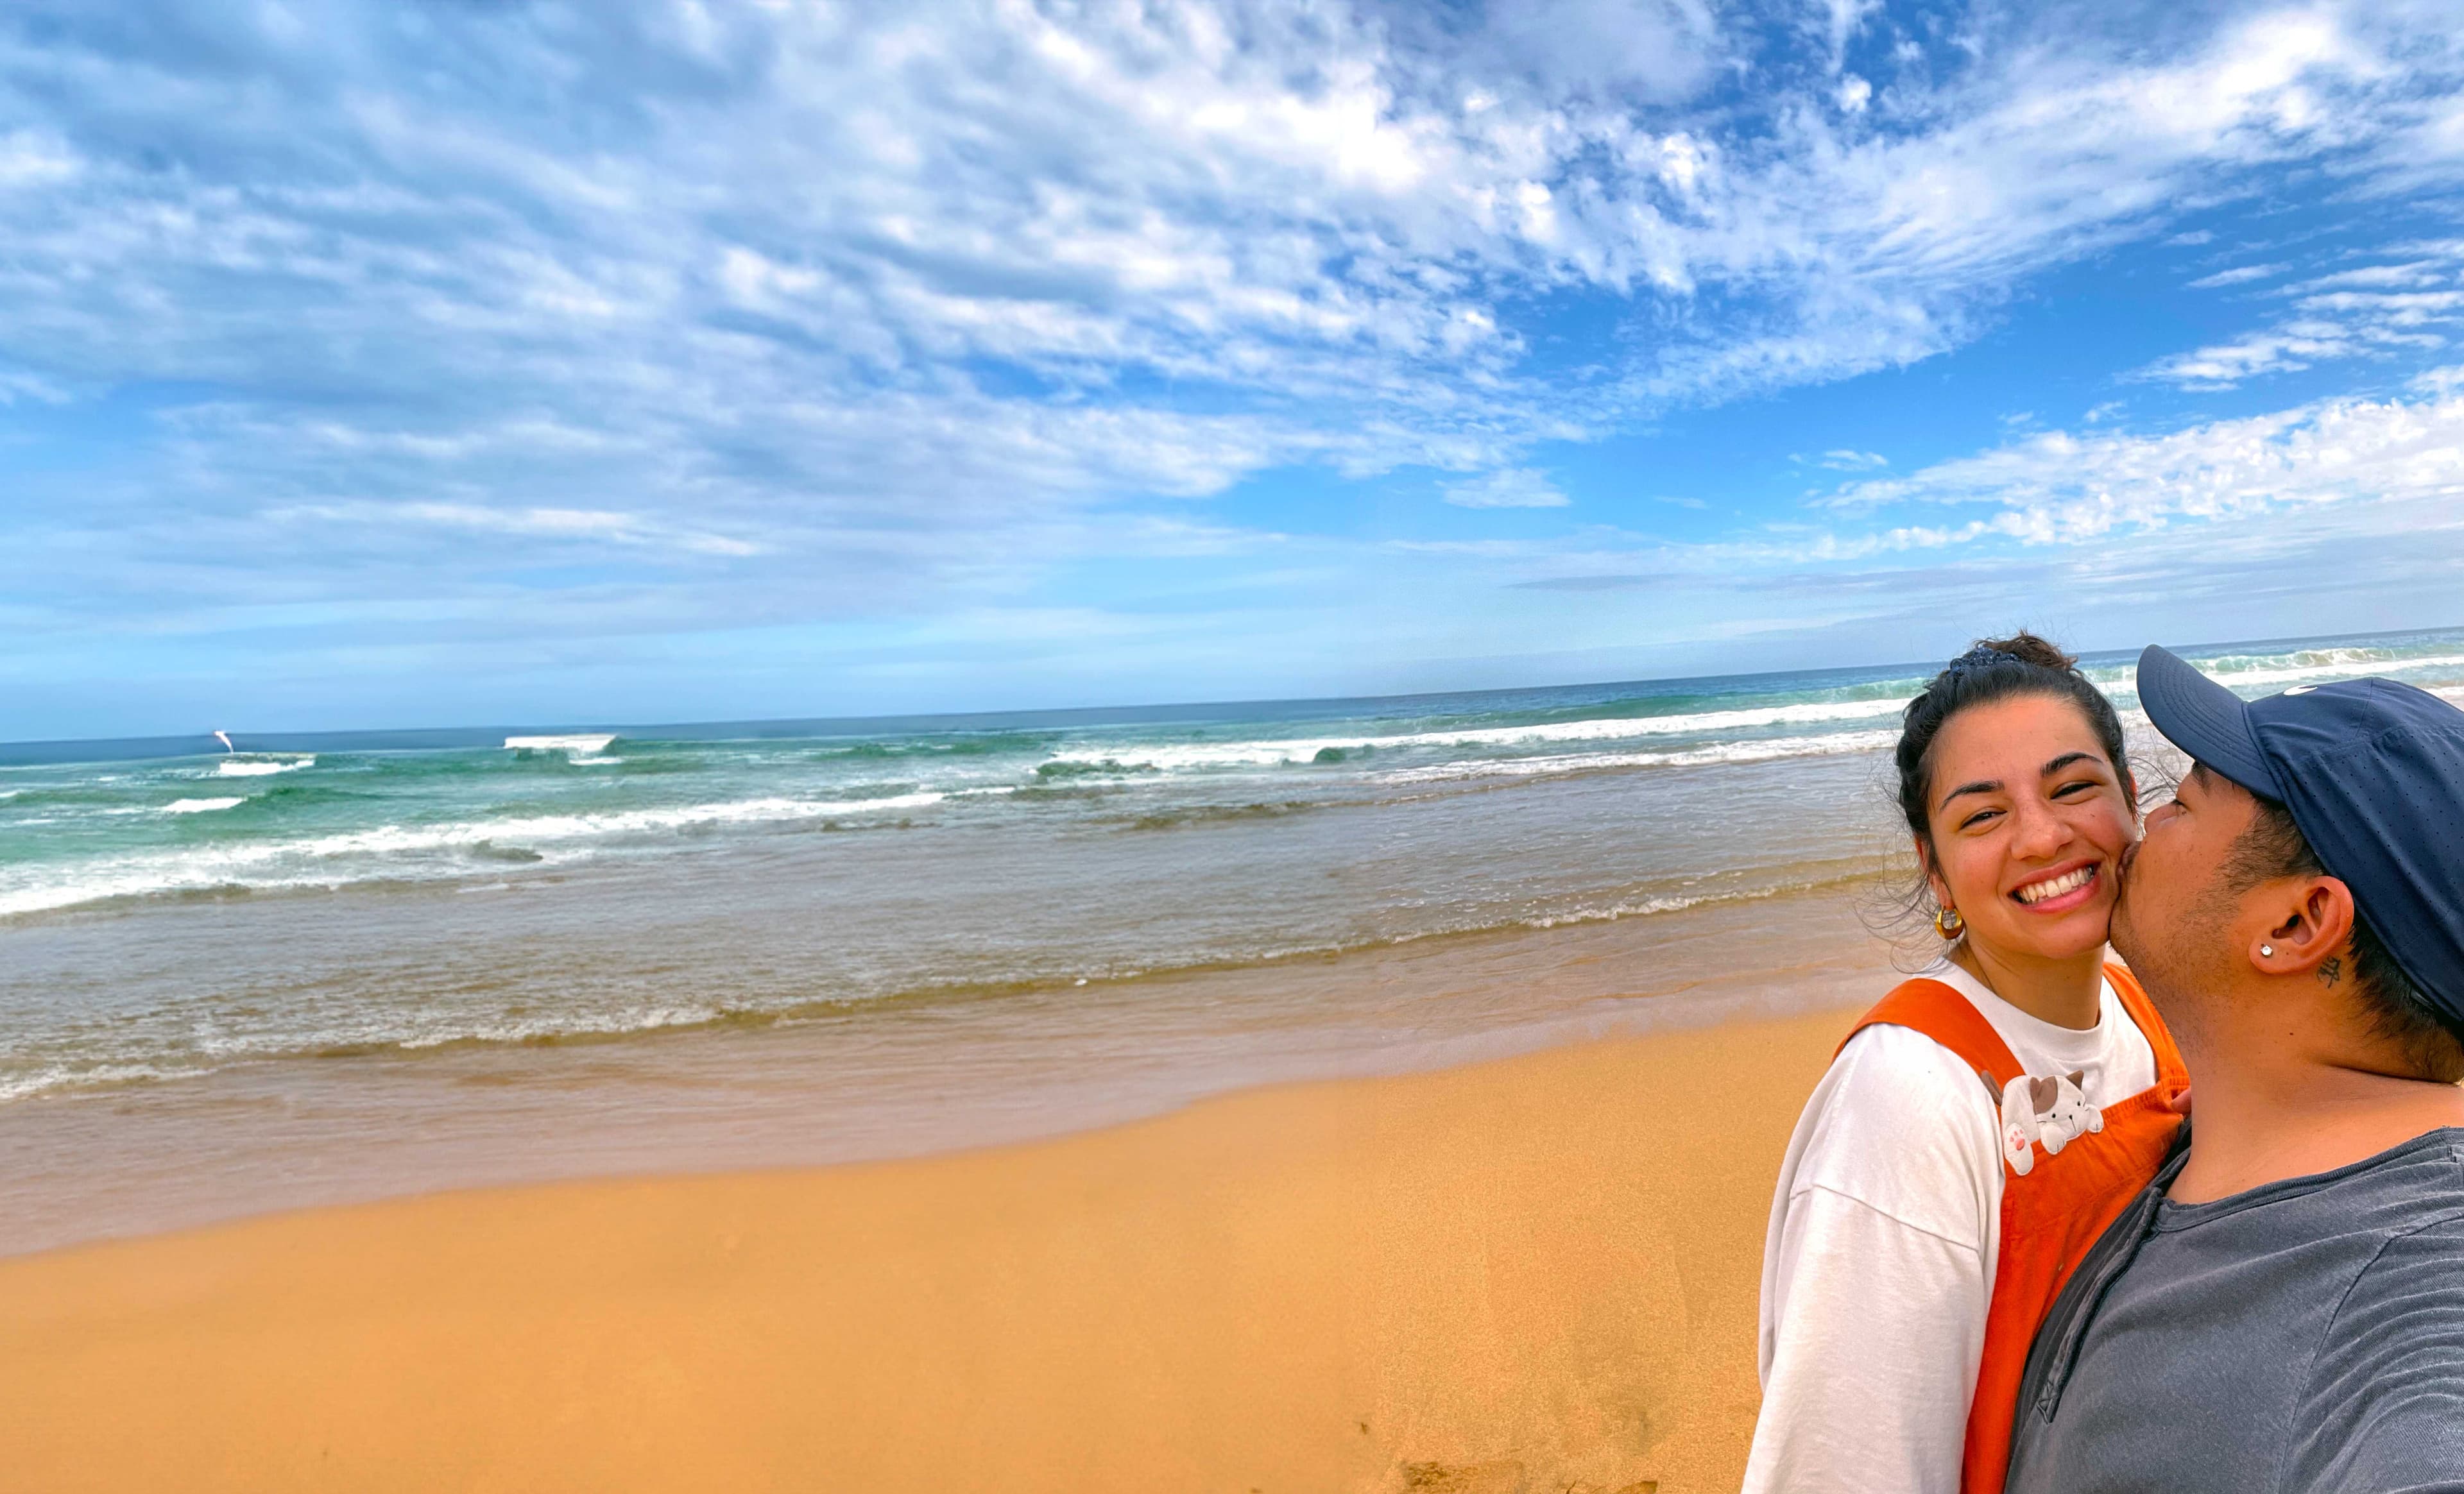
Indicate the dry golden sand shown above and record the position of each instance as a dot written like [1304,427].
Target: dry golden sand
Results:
[1533,1274]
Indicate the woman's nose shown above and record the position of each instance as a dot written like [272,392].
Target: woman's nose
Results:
[2041,832]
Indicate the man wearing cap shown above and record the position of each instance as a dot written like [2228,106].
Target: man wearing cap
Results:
[2283,1309]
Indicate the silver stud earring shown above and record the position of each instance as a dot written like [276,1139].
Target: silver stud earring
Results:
[2268,950]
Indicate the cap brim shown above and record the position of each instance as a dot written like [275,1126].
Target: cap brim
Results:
[2204,719]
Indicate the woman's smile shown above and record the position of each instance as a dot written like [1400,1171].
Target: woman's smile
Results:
[2061,889]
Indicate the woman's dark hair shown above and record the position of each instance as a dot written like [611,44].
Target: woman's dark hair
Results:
[1996,668]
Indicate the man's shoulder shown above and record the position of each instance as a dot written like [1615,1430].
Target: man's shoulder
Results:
[2412,1219]
[2406,1201]
[2385,1403]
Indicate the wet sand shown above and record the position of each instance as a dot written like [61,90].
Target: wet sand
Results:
[878,1081]
[1532,1273]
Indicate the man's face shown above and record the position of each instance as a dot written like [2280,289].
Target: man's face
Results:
[2177,922]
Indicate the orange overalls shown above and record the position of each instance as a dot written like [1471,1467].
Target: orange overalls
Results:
[2053,1213]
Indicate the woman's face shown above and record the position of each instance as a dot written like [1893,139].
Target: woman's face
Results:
[2030,821]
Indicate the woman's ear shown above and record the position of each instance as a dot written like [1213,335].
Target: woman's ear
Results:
[1932,875]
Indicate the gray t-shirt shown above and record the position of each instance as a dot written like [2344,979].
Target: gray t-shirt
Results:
[2305,1335]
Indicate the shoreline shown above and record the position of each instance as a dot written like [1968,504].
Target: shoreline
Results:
[1528,1272]
[918,1079]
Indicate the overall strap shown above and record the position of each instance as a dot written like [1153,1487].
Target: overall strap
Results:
[1943,1014]
[2169,1068]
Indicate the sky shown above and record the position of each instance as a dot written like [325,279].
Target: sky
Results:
[370,365]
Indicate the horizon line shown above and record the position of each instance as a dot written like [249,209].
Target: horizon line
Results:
[40,751]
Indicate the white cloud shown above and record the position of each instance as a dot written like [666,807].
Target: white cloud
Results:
[2063,489]
[15,386]
[2242,274]
[30,158]
[585,525]
[1842,20]
[2406,303]
[1509,487]
[1659,51]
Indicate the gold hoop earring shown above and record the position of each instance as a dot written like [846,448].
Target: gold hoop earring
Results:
[1948,924]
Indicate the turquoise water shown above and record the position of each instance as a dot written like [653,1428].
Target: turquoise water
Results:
[173,914]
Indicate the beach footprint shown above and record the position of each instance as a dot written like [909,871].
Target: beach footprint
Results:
[1504,1476]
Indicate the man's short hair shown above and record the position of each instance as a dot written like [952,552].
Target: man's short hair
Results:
[2432,1041]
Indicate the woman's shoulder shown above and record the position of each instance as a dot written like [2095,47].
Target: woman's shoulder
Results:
[1908,1069]
[1930,1024]
[1902,1123]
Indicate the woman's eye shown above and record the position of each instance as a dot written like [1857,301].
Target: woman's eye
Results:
[2073,788]
[1977,818]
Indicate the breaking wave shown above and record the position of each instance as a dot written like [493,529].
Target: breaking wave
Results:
[392,852]
[260,767]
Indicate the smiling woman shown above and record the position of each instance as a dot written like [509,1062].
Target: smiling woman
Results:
[2019,796]
[1919,1208]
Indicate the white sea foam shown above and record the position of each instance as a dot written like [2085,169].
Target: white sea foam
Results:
[64,1076]
[583,742]
[393,850]
[1772,749]
[1169,757]
[260,767]
[573,1024]
[2251,673]
[191,806]
[2329,663]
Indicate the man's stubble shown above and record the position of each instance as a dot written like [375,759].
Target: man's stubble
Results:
[2179,953]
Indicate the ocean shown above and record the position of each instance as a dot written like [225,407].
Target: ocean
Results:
[328,913]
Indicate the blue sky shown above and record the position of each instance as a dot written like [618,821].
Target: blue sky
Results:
[373,364]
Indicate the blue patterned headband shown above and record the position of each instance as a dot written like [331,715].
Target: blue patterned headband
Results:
[1978,658]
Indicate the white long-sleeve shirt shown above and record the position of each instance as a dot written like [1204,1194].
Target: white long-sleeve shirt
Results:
[1879,1265]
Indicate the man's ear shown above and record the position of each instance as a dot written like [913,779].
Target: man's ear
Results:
[2309,928]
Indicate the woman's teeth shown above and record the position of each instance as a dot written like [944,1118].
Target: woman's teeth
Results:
[2056,887]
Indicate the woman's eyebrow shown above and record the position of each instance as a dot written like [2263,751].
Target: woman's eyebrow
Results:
[2065,760]
[1980,786]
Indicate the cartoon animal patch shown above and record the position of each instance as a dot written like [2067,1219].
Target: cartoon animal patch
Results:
[2054,1111]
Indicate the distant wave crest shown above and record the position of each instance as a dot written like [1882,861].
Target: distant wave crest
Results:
[1770,751]
[391,850]
[261,767]
[1129,757]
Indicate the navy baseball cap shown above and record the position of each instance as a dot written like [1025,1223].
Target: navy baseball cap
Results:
[2373,773]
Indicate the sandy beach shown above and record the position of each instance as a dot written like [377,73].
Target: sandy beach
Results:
[1534,1273]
